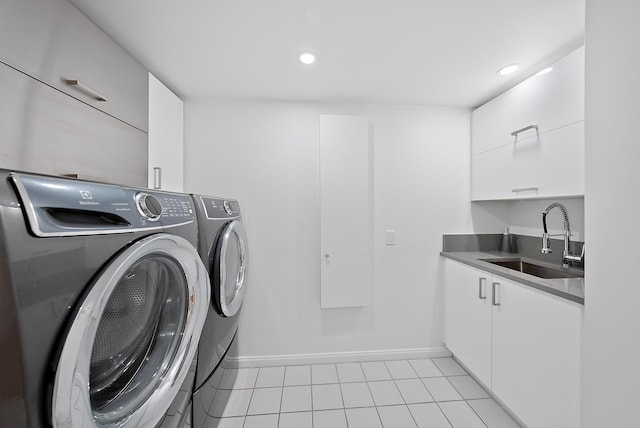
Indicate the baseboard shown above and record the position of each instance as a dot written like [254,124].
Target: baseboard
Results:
[339,357]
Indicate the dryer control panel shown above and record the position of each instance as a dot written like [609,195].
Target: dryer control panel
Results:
[65,207]
[217,208]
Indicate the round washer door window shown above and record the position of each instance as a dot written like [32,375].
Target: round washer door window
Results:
[229,268]
[130,345]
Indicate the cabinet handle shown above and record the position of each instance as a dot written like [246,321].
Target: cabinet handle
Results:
[526,128]
[157,177]
[525,189]
[481,293]
[494,292]
[86,89]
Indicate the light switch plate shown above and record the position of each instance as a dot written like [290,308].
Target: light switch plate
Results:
[390,237]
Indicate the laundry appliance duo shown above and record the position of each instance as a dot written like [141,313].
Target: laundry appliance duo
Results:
[104,297]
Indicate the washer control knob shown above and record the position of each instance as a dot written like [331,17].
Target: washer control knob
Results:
[149,206]
[227,207]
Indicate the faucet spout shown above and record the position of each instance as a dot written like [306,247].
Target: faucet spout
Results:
[566,233]
[565,214]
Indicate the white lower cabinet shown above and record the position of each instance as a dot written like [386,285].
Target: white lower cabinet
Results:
[468,318]
[522,343]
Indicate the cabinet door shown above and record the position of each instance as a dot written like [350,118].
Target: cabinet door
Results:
[545,166]
[468,317]
[549,101]
[346,274]
[166,137]
[52,41]
[43,130]
[536,355]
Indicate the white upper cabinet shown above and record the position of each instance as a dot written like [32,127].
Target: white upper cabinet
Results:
[166,138]
[549,101]
[50,40]
[550,165]
[529,141]
[43,130]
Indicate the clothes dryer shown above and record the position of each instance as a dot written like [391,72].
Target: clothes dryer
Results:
[224,250]
[103,298]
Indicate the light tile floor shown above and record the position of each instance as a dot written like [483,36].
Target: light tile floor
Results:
[421,393]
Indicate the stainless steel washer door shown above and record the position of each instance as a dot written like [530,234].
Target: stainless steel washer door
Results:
[229,269]
[129,348]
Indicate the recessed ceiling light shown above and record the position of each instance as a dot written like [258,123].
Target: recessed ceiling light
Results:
[505,71]
[544,71]
[307,58]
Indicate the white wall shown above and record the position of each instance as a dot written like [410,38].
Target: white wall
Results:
[611,341]
[266,155]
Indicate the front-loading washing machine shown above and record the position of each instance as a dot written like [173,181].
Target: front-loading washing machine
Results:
[103,297]
[224,250]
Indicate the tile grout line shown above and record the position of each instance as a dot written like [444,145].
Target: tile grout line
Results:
[400,392]
[247,411]
[474,411]
[371,394]
[344,410]
[443,413]
[467,400]
[281,396]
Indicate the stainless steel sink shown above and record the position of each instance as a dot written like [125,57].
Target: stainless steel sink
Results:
[535,269]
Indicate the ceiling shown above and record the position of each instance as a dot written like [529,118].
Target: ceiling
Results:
[428,52]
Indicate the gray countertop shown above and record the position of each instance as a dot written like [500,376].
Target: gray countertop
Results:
[568,288]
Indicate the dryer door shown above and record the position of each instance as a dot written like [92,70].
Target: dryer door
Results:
[132,340]
[229,269]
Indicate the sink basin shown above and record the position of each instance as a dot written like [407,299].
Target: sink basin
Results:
[534,269]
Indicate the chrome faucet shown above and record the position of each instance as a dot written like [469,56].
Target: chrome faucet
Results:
[567,257]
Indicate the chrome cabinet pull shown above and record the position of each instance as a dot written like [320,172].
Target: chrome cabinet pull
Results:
[526,128]
[157,177]
[494,292]
[525,189]
[86,89]
[481,294]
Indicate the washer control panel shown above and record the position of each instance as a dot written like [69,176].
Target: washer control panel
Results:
[65,207]
[149,206]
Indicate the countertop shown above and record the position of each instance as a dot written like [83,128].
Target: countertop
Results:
[568,288]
